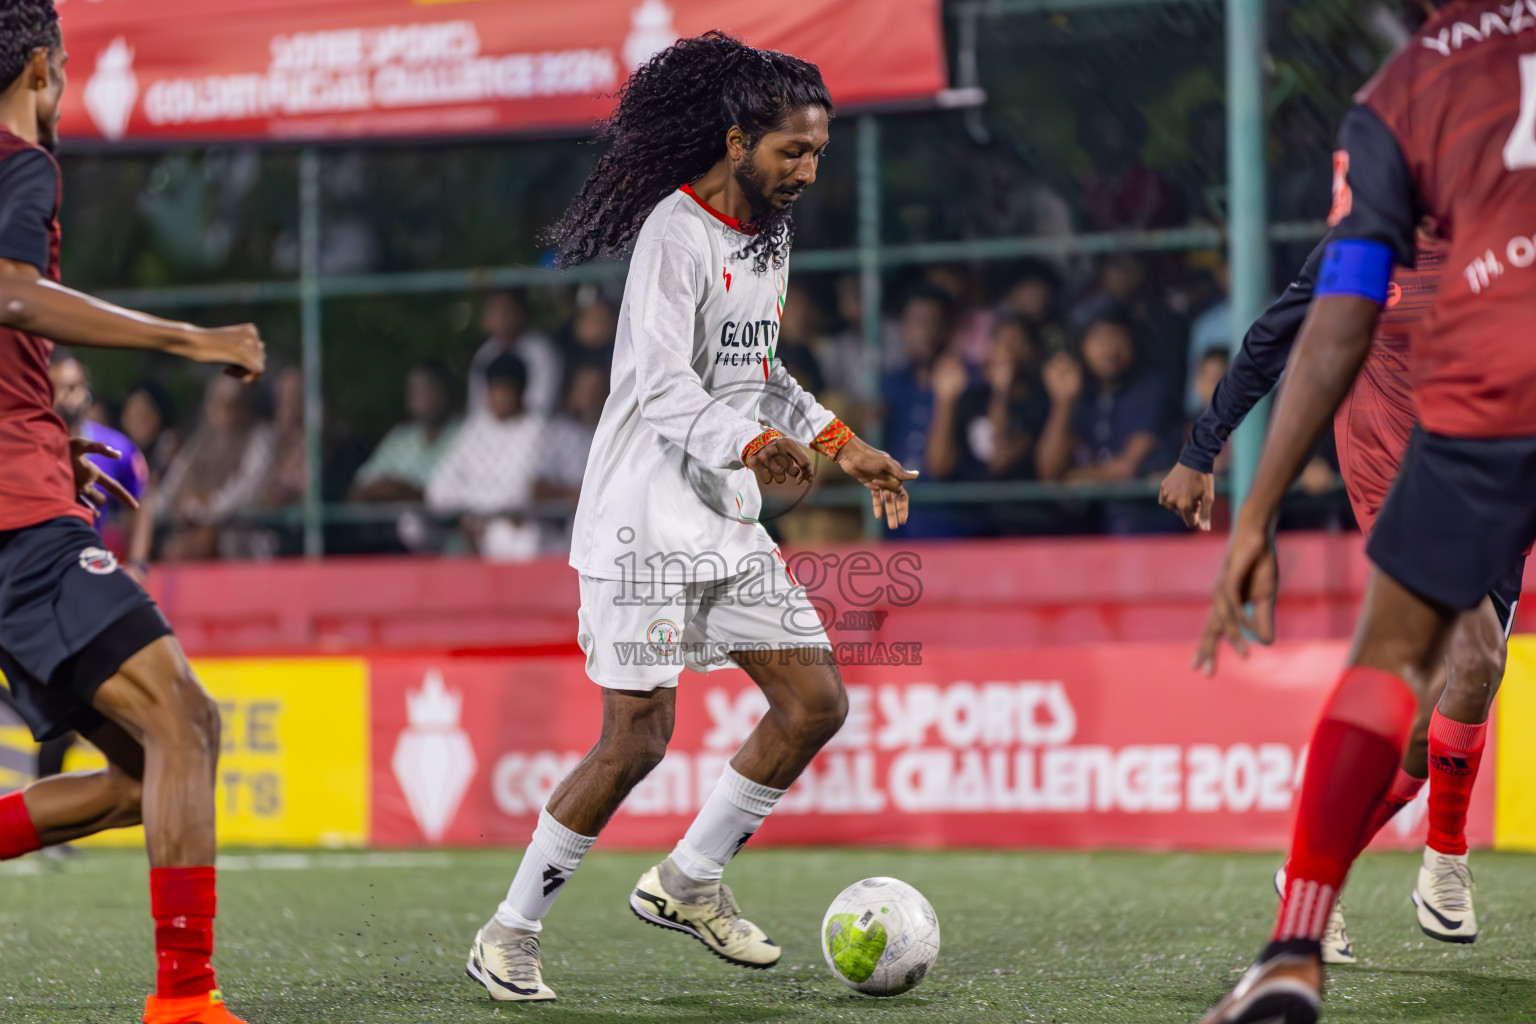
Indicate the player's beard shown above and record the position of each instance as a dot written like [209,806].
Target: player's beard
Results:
[768,222]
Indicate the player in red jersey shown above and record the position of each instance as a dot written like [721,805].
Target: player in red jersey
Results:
[1371,431]
[1446,130]
[82,646]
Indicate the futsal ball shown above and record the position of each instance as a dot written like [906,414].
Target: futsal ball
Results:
[880,936]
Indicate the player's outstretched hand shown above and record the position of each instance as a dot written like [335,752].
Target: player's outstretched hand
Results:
[1191,494]
[90,480]
[1250,574]
[883,475]
[779,460]
[239,348]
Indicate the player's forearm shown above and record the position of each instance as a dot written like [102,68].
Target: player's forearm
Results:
[709,430]
[74,318]
[1326,360]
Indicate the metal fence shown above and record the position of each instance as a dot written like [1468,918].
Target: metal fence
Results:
[1078,129]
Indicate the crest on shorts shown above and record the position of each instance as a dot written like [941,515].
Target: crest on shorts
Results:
[98,561]
[663,635]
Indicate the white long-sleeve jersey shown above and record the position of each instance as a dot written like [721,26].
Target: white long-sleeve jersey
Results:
[666,495]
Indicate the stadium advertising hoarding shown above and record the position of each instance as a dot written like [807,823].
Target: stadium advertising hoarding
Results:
[294,766]
[1117,746]
[291,69]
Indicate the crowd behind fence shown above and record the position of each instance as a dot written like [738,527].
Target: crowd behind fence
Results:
[1052,302]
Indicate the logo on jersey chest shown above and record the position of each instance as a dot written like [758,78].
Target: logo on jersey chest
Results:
[747,343]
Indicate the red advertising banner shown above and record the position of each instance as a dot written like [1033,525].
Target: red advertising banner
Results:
[1117,747]
[280,69]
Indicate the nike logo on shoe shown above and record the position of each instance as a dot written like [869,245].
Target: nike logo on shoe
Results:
[1447,922]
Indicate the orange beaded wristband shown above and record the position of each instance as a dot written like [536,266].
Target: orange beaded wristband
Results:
[759,442]
[831,440]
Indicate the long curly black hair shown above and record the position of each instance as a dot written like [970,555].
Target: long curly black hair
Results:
[670,127]
[25,25]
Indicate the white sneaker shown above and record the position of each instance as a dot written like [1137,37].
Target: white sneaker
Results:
[1443,897]
[1336,947]
[667,898]
[507,964]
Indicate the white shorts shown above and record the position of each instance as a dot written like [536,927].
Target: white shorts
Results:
[639,636]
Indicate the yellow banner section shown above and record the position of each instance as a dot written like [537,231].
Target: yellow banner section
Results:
[295,765]
[1514,826]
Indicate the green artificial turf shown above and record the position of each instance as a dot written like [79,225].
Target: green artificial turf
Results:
[1090,938]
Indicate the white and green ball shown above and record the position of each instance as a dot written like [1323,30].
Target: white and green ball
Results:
[880,936]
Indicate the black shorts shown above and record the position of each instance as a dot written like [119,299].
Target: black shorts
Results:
[1459,520]
[69,618]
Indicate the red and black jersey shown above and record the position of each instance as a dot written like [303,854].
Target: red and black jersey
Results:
[1447,129]
[36,481]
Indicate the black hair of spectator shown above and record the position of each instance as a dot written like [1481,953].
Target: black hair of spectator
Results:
[928,293]
[159,397]
[507,366]
[1113,314]
[25,25]
[60,354]
[438,372]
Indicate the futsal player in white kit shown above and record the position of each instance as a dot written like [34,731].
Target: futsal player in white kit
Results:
[711,144]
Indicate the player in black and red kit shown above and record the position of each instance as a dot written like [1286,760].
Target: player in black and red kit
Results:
[1447,130]
[1371,431]
[82,646]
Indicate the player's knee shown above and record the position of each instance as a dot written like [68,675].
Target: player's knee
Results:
[814,721]
[185,717]
[1474,671]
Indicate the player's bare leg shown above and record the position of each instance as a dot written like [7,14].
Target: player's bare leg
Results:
[158,701]
[1355,749]
[1442,895]
[67,807]
[637,725]
[806,707]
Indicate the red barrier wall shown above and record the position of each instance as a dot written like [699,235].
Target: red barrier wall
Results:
[967,593]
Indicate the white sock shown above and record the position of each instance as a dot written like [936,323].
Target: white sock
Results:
[552,857]
[733,812]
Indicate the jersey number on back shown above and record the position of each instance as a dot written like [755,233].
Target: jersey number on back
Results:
[1520,149]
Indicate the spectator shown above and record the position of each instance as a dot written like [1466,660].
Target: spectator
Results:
[986,429]
[1104,427]
[1212,332]
[486,479]
[564,445]
[1119,190]
[505,319]
[218,472]
[130,533]
[924,331]
[403,463]
[594,325]
[287,477]
[846,360]
[149,419]
[1033,297]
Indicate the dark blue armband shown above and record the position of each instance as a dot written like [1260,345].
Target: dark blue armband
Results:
[1355,266]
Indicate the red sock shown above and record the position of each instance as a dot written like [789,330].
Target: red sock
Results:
[1455,750]
[184,901]
[1399,795]
[1356,747]
[18,835]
